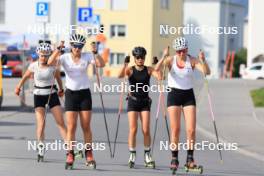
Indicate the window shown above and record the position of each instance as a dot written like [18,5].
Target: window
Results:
[258,67]
[117,58]
[2,11]
[117,31]
[164,4]
[119,4]
[95,4]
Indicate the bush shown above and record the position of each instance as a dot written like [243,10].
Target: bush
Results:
[240,58]
[258,97]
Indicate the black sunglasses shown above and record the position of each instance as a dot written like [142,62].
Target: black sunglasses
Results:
[79,46]
[44,41]
[138,57]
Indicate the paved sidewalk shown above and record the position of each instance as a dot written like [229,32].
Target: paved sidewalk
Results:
[236,118]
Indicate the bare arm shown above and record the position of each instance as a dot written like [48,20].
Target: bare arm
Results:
[25,77]
[165,60]
[201,64]
[58,78]
[125,71]
[154,73]
[54,58]
[99,60]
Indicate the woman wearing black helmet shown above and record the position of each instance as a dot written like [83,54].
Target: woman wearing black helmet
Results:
[78,99]
[181,97]
[139,103]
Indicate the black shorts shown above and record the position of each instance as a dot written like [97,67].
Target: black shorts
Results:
[79,100]
[138,104]
[179,97]
[42,100]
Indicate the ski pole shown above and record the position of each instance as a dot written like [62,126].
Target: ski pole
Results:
[212,113]
[155,61]
[127,60]
[51,89]
[102,103]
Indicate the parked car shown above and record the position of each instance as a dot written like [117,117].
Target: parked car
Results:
[12,63]
[254,71]
[1,85]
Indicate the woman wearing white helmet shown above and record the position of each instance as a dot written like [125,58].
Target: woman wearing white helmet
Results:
[45,91]
[78,101]
[181,97]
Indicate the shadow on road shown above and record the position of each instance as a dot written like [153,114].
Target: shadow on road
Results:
[3,123]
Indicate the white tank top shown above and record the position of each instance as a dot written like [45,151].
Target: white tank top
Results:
[43,77]
[181,78]
[76,73]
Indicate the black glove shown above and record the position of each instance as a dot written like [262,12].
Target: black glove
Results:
[61,49]
[127,59]
[155,60]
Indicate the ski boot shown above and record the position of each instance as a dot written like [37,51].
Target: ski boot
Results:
[192,167]
[41,152]
[132,159]
[78,154]
[69,160]
[90,162]
[149,163]
[174,165]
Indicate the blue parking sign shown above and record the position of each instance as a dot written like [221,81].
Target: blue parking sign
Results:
[84,14]
[42,9]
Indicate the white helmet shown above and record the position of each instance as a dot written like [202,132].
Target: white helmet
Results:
[77,38]
[180,43]
[44,47]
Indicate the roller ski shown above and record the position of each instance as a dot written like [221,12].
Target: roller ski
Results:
[69,160]
[90,162]
[132,159]
[149,163]
[41,152]
[190,166]
[174,165]
[78,154]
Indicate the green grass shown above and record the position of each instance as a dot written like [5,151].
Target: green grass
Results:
[258,97]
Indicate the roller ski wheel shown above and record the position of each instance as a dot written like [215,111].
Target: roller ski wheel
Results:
[68,166]
[192,167]
[174,166]
[41,152]
[91,164]
[69,160]
[132,159]
[78,154]
[150,165]
[40,158]
[131,164]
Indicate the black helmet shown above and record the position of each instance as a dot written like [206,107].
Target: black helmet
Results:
[139,52]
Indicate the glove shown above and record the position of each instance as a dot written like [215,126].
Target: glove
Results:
[127,59]
[155,60]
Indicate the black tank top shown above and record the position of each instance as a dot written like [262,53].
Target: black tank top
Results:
[139,79]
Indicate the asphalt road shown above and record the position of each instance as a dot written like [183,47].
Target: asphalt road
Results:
[17,127]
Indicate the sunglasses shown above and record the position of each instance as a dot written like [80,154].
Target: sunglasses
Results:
[182,51]
[45,55]
[79,46]
[44,41]
[137,58]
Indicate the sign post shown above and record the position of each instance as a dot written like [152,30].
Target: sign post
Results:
[43,14]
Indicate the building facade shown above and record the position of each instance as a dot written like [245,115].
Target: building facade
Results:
[222,23]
